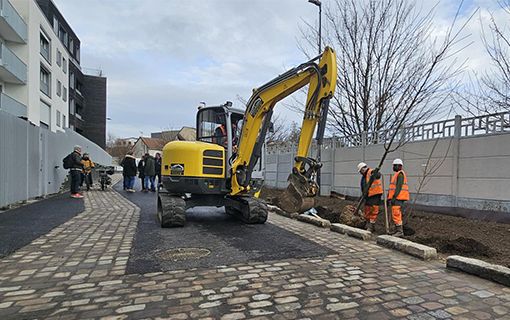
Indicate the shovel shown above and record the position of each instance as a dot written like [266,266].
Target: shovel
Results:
[385,206]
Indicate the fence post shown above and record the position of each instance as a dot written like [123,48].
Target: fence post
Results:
[456,145]
[363,142]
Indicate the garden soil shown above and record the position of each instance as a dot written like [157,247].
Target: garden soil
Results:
[487,241]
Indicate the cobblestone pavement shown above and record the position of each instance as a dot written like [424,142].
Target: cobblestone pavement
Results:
[77,271]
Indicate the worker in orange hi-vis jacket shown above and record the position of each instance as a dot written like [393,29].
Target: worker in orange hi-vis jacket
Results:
[398,193]
[373,198]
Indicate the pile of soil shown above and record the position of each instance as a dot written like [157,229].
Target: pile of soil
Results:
[487,241]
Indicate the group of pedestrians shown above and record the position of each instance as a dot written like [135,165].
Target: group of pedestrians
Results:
[147,169]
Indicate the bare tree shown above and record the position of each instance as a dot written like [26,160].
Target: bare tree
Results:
[279,131]
[489,92]
[116,146]
[389,64]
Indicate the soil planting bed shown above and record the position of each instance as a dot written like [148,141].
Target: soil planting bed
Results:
[487,241]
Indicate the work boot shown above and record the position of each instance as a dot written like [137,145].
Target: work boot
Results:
[371,226]
[400,231]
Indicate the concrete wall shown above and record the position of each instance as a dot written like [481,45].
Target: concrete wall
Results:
[31,158]
[474,171]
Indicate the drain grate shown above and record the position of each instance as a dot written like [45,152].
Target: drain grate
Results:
[183,254]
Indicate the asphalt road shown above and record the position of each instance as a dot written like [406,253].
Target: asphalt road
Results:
[19,227]
[229,240]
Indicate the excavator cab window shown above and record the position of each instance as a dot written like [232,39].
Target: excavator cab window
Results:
[210,122]
[212,126]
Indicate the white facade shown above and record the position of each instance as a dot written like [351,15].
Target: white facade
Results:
[45,93]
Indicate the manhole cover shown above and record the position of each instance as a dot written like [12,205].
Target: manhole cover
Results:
[182,254]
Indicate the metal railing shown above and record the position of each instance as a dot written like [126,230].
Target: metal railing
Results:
[92,72]
[18,27]
[12,106]
[14,65]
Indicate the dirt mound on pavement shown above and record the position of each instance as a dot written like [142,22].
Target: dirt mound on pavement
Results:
[343,215]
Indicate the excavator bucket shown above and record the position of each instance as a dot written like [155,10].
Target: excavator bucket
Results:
[299,195]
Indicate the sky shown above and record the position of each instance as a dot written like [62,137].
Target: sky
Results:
[163,57]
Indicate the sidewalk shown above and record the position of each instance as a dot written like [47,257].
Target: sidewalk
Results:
[77,271]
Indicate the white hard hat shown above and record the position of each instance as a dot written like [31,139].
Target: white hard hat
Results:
[398,161]
[361,165]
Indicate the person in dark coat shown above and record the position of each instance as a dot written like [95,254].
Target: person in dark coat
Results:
[129,171]
[75,171]
[141,172]
[125,180]
[150,172]
[157,161]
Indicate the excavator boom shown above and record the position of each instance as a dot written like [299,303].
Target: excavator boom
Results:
[321,78]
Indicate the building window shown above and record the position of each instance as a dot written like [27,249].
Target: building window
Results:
[59,58]
[62,35]
[44,114]
[55,25]
[58,118]
[64,65]
[64,95]
[63,121]
[45,82]
[71,80]
[71,45]
[78,54]
[59,88]
[71,106]
[45,47]
[78,87]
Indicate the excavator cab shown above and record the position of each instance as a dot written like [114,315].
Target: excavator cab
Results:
[220,125]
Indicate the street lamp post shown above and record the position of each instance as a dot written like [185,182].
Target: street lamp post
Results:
[318,4]
[319,139]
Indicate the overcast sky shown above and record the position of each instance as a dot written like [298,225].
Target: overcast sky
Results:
[162,57]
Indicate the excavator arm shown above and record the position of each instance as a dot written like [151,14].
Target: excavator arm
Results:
[321,77]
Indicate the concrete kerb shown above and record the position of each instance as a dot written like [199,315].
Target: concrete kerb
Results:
[475,267]
[480,268]
[351,231]
[277,210]
[323,223]
[415,249]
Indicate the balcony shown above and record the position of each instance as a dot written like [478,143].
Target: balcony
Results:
[12,106]
[12,26]
[12,69]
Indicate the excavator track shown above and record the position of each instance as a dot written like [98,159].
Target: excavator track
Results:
[257,213]
[171,210]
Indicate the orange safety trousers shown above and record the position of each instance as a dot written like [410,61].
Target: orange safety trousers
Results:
[371,213]
[396,215]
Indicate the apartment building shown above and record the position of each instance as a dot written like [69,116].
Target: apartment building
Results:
[34,66]
[87,87]
[41,78]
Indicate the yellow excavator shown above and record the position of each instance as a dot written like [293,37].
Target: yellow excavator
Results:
[216,169]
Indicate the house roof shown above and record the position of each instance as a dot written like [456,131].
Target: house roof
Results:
[153,143]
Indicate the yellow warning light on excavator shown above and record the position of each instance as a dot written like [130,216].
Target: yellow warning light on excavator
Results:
[200,107]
